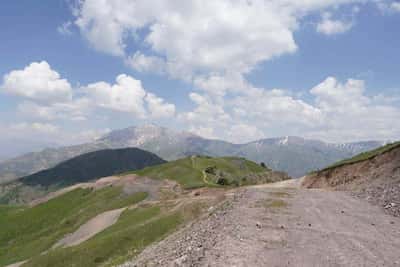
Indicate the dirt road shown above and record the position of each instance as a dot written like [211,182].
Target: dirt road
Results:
[281,225]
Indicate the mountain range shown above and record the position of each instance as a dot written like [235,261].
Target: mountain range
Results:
[294,155]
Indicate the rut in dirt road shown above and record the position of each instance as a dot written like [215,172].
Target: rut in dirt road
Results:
[267,226]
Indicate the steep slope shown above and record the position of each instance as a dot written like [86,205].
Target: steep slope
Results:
[373,175]
[304,155]
[83,168]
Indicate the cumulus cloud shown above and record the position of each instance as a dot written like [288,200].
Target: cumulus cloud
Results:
[349,114]
[213,45]
[37,81]
[338,112]
[128,95]
[331,95]
[143,63]
[220,85]
[47,97]
[200,37]
[158,108]
[211,35]
[331,26]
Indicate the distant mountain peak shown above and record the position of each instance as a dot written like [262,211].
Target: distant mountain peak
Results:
[292,154]
[137,136]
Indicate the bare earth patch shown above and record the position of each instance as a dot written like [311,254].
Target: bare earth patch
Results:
[90,229]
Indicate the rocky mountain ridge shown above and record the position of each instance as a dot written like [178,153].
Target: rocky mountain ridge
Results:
[294,155]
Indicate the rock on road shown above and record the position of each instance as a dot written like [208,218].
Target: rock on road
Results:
[282,225]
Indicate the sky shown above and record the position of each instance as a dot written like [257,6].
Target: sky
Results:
[237,70]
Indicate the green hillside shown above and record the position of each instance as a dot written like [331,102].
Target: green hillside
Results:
[199,171]
[83,168]
[127,237]
[365,156]
[29,231]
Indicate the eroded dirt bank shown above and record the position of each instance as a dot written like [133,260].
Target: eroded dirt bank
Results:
[275,226]
[376,180]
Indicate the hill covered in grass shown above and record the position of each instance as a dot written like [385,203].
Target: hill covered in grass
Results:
[28,231]
[60,228]
[83,168]
[65,229]
[200,171]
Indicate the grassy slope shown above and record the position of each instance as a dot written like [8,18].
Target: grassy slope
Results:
[132,233]
[364,156]
[25,232]
[189,171]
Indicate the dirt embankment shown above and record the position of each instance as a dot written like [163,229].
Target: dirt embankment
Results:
[376,180]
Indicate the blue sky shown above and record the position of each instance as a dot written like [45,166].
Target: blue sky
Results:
[234,70]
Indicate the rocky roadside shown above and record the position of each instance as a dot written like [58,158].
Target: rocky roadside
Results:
[189,246]
[386,196]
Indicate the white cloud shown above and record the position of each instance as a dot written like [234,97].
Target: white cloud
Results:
[211,35]
[125,95]
[331,26]
[200,37]
[128,95]
[351,115]
[205,132]
[75,110]
[37,82]
[143,63]
[214,44]
[331,95]
[339,112]
[208,113]
[158,108]
[395,6]
[47,97]
[219,85]
[244,133]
